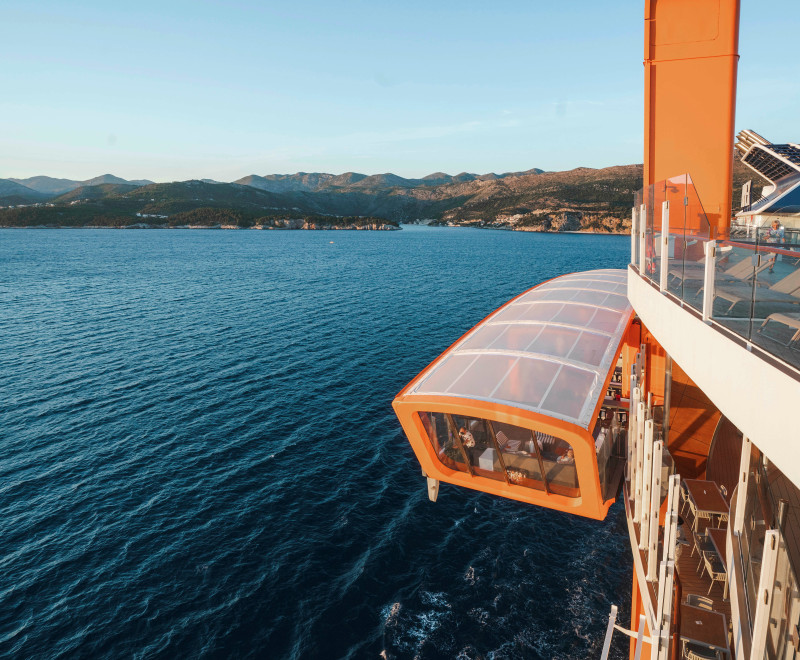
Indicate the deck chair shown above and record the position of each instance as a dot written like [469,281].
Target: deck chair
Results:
[716,571]
[742,271]
[792,319]
[698,652]
[783,292]
[700,602]
[704,547]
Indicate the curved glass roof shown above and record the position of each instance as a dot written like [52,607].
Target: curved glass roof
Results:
[548,351]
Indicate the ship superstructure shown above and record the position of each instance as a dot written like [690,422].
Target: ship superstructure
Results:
[671,385]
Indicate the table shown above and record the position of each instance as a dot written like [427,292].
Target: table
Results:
[719,538]
[707,499]
[709,629]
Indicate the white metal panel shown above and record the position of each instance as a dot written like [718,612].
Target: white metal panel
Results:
[756,405]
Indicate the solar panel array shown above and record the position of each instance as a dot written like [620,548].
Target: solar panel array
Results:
[766,162]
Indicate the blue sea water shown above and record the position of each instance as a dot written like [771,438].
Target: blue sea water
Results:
[198,455]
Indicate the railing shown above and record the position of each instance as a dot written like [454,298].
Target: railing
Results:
[757,288]
[649,481]
[673,233]
[746,279]
[770,584]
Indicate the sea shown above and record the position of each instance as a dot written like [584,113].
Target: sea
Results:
[199,458]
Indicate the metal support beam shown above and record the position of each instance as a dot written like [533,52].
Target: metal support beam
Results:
[637,654]
[664,246]
[631,432]
[433,488]
[642,229]
[766,585]
[741,489]
[637,492]
[612,619]
[655,502]
[708,280]
[667,399]
[647,478]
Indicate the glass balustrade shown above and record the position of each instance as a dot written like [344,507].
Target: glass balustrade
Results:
[756,291]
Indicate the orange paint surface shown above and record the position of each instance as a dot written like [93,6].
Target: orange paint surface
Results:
[690,63]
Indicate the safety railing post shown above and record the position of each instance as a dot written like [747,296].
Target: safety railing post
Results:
[655,505]
[647,478]
[664,246]
[766,585]
[642,247]
[708,279]
[741,491]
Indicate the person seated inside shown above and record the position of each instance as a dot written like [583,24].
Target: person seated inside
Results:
[467,439]
[568,458]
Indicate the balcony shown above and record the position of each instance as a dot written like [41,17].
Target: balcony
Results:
[745,281]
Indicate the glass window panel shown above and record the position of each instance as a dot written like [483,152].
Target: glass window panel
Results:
[519,455]
[479,446]
[444,375]
[558,459]
[590,297]
[527,382]
[483,337]
[542,311]
[605,320]
[555,340]
[590,349]
[569,392]
[441,439]
[483,375]
[576,314]
[510,312]
[559,294]
[517,337]
[537,294]
[616,301]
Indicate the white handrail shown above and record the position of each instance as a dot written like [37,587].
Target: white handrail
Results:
[708,279]
[647,478]
[642,228]
[744,477]
[664,246]
[655,501]
[612,619]
[766,584]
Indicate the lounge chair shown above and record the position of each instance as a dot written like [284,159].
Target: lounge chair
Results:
[700,602]
[784,291]
[792,319]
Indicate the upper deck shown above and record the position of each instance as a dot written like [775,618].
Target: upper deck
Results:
[727,309]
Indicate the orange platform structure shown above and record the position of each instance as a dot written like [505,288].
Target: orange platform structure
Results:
[528,404]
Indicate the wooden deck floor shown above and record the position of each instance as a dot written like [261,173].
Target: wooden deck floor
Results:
[693,583]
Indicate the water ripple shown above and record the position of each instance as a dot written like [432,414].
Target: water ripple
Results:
[199,457]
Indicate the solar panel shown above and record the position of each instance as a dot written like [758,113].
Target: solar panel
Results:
[772,161]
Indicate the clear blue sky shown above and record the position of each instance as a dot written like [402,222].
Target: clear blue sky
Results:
[177,90]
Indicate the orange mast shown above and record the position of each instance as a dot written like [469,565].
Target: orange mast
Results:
[690,62]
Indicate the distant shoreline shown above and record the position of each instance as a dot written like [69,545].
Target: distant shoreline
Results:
[386,227]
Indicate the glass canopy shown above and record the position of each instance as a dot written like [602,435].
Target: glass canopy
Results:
[548,351]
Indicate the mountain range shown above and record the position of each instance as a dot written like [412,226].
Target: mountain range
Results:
[582,199]
[47,186]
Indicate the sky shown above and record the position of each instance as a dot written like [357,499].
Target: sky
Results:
[178,90]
